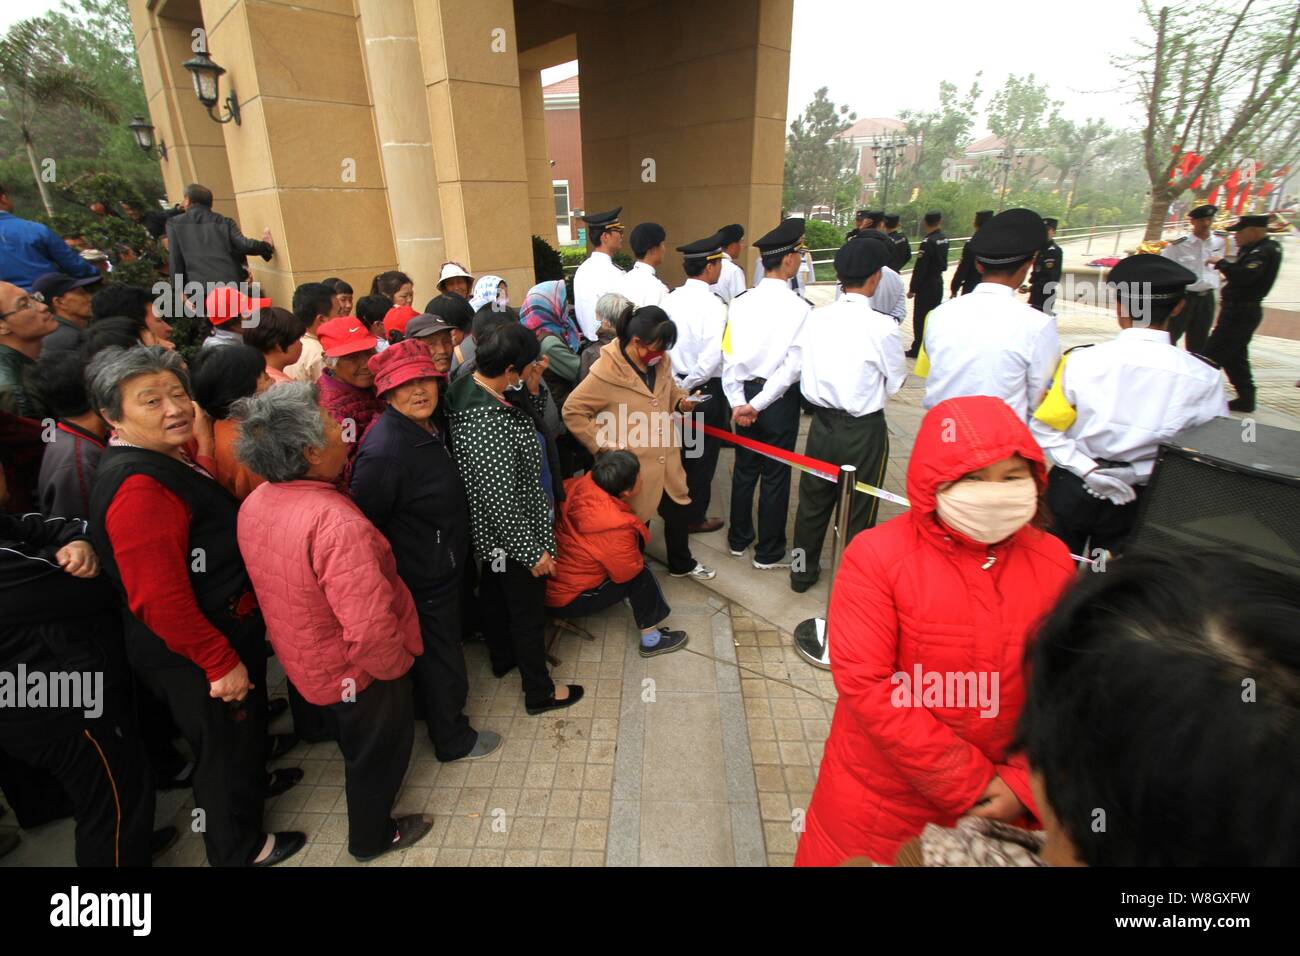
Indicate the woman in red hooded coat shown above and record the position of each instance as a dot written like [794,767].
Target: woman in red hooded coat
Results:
[928,624]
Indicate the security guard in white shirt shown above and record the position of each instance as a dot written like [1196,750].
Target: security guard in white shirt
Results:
[760,364]
[1193,253]
[642,286]
[853,361]
[598,274]
[701,318]
[732,281]
[988,342]
[890,296]
[1111,405]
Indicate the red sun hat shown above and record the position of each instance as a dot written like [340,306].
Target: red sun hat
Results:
[344,336]
[395,319]
[400,363]
[226,303]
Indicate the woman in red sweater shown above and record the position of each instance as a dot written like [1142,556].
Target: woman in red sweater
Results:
[165,534]
[929,619]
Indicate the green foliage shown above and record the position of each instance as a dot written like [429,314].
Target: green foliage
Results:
[85,54]
[548,264]
[938,134]
[819,168]
[823,235]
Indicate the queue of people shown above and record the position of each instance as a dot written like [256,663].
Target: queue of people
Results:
[357,487]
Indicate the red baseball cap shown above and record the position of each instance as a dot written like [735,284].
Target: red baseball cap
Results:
[344,336]
[400,363]
[395,319]
[226,303]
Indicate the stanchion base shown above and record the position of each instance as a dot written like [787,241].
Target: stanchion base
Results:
[810,642]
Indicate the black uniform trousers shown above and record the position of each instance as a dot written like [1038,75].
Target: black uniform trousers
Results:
[228,741]
[1229,344]
[441,681]
[677,532]
[700,451]
[103,769]
[375,733]
[778,425]
[1194,320]
[928,297]
[514,625]
[840,439]
[642,592]
[1082,520]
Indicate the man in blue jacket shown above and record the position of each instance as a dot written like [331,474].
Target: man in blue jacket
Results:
[30,249]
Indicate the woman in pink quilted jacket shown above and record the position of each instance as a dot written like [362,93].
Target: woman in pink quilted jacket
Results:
[339,617]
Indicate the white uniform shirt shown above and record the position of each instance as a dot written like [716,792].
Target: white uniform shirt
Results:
[761,341]
[1191,253]
[701,317]
[1129,395]
[642,286]
[851,355]
[596,276]
[989,343]
[732,280]
[797,285]
[890,296]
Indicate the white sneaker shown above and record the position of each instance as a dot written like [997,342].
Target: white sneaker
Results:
[782,562]
[738,554]
[699,572]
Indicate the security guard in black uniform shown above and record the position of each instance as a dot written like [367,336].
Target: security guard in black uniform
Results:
[1047,272]
[1247,281]
[926,286]
[902,248]
[859,223]
[967,277]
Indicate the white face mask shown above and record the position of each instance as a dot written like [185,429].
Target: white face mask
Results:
[988,511]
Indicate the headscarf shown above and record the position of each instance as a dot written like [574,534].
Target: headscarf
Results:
[545,312]
[485,292]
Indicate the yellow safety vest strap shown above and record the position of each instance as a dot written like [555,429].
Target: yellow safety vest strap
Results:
[1056,409]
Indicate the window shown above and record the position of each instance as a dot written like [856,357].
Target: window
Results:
[561,202]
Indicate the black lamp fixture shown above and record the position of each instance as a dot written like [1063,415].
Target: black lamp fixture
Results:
[143,133]
[207,83]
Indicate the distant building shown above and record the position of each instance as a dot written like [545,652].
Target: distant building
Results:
[985,156]
[564,137]
[877,131]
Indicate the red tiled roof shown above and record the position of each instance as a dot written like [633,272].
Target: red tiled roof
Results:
[562,87]
[873,126]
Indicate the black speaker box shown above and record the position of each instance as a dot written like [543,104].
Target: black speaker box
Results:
[1226,484]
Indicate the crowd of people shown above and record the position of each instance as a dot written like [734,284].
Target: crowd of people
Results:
[358,488]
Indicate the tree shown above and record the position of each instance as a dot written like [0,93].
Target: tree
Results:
[819,166]
[1075,148]
[940,134]
[1212,81]
[35,76]
[1023,116]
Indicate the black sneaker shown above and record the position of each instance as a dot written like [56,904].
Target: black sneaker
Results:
[798,587]
[1241,405]
[669,641]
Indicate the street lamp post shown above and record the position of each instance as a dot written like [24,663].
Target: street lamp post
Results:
[887,152]
[1005,159]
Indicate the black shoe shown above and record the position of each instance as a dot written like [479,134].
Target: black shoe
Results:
[287,843]
[410,831]
[575,695]
[669,641]
[499,672]
[162,841]
[281,744]
[798,587]
[275,707]
[181,781]
[281,780]
[1241,405]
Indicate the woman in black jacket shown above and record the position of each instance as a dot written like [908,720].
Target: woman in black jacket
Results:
[406,483]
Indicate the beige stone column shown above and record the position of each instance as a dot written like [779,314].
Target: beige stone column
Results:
[392,61]
[196,150]
[537,157]
[471,75]
[684,123]
[304,161]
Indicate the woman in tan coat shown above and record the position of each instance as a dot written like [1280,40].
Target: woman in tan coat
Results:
[627,401]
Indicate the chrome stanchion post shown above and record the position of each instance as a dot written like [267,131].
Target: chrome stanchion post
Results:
[810,637]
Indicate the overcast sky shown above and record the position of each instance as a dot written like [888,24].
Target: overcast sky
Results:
[882,57]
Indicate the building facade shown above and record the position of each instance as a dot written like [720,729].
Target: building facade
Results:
[381,134]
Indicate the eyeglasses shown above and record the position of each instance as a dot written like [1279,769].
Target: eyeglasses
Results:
[25,303]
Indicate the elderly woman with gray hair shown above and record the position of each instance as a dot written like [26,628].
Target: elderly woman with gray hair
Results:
[164,530]
[339,617]
[609,308]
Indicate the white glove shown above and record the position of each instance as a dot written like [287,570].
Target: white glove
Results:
[1125,473]
[1115,490]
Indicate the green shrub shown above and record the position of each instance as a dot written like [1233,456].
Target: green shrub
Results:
[548,264]
[823,235]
